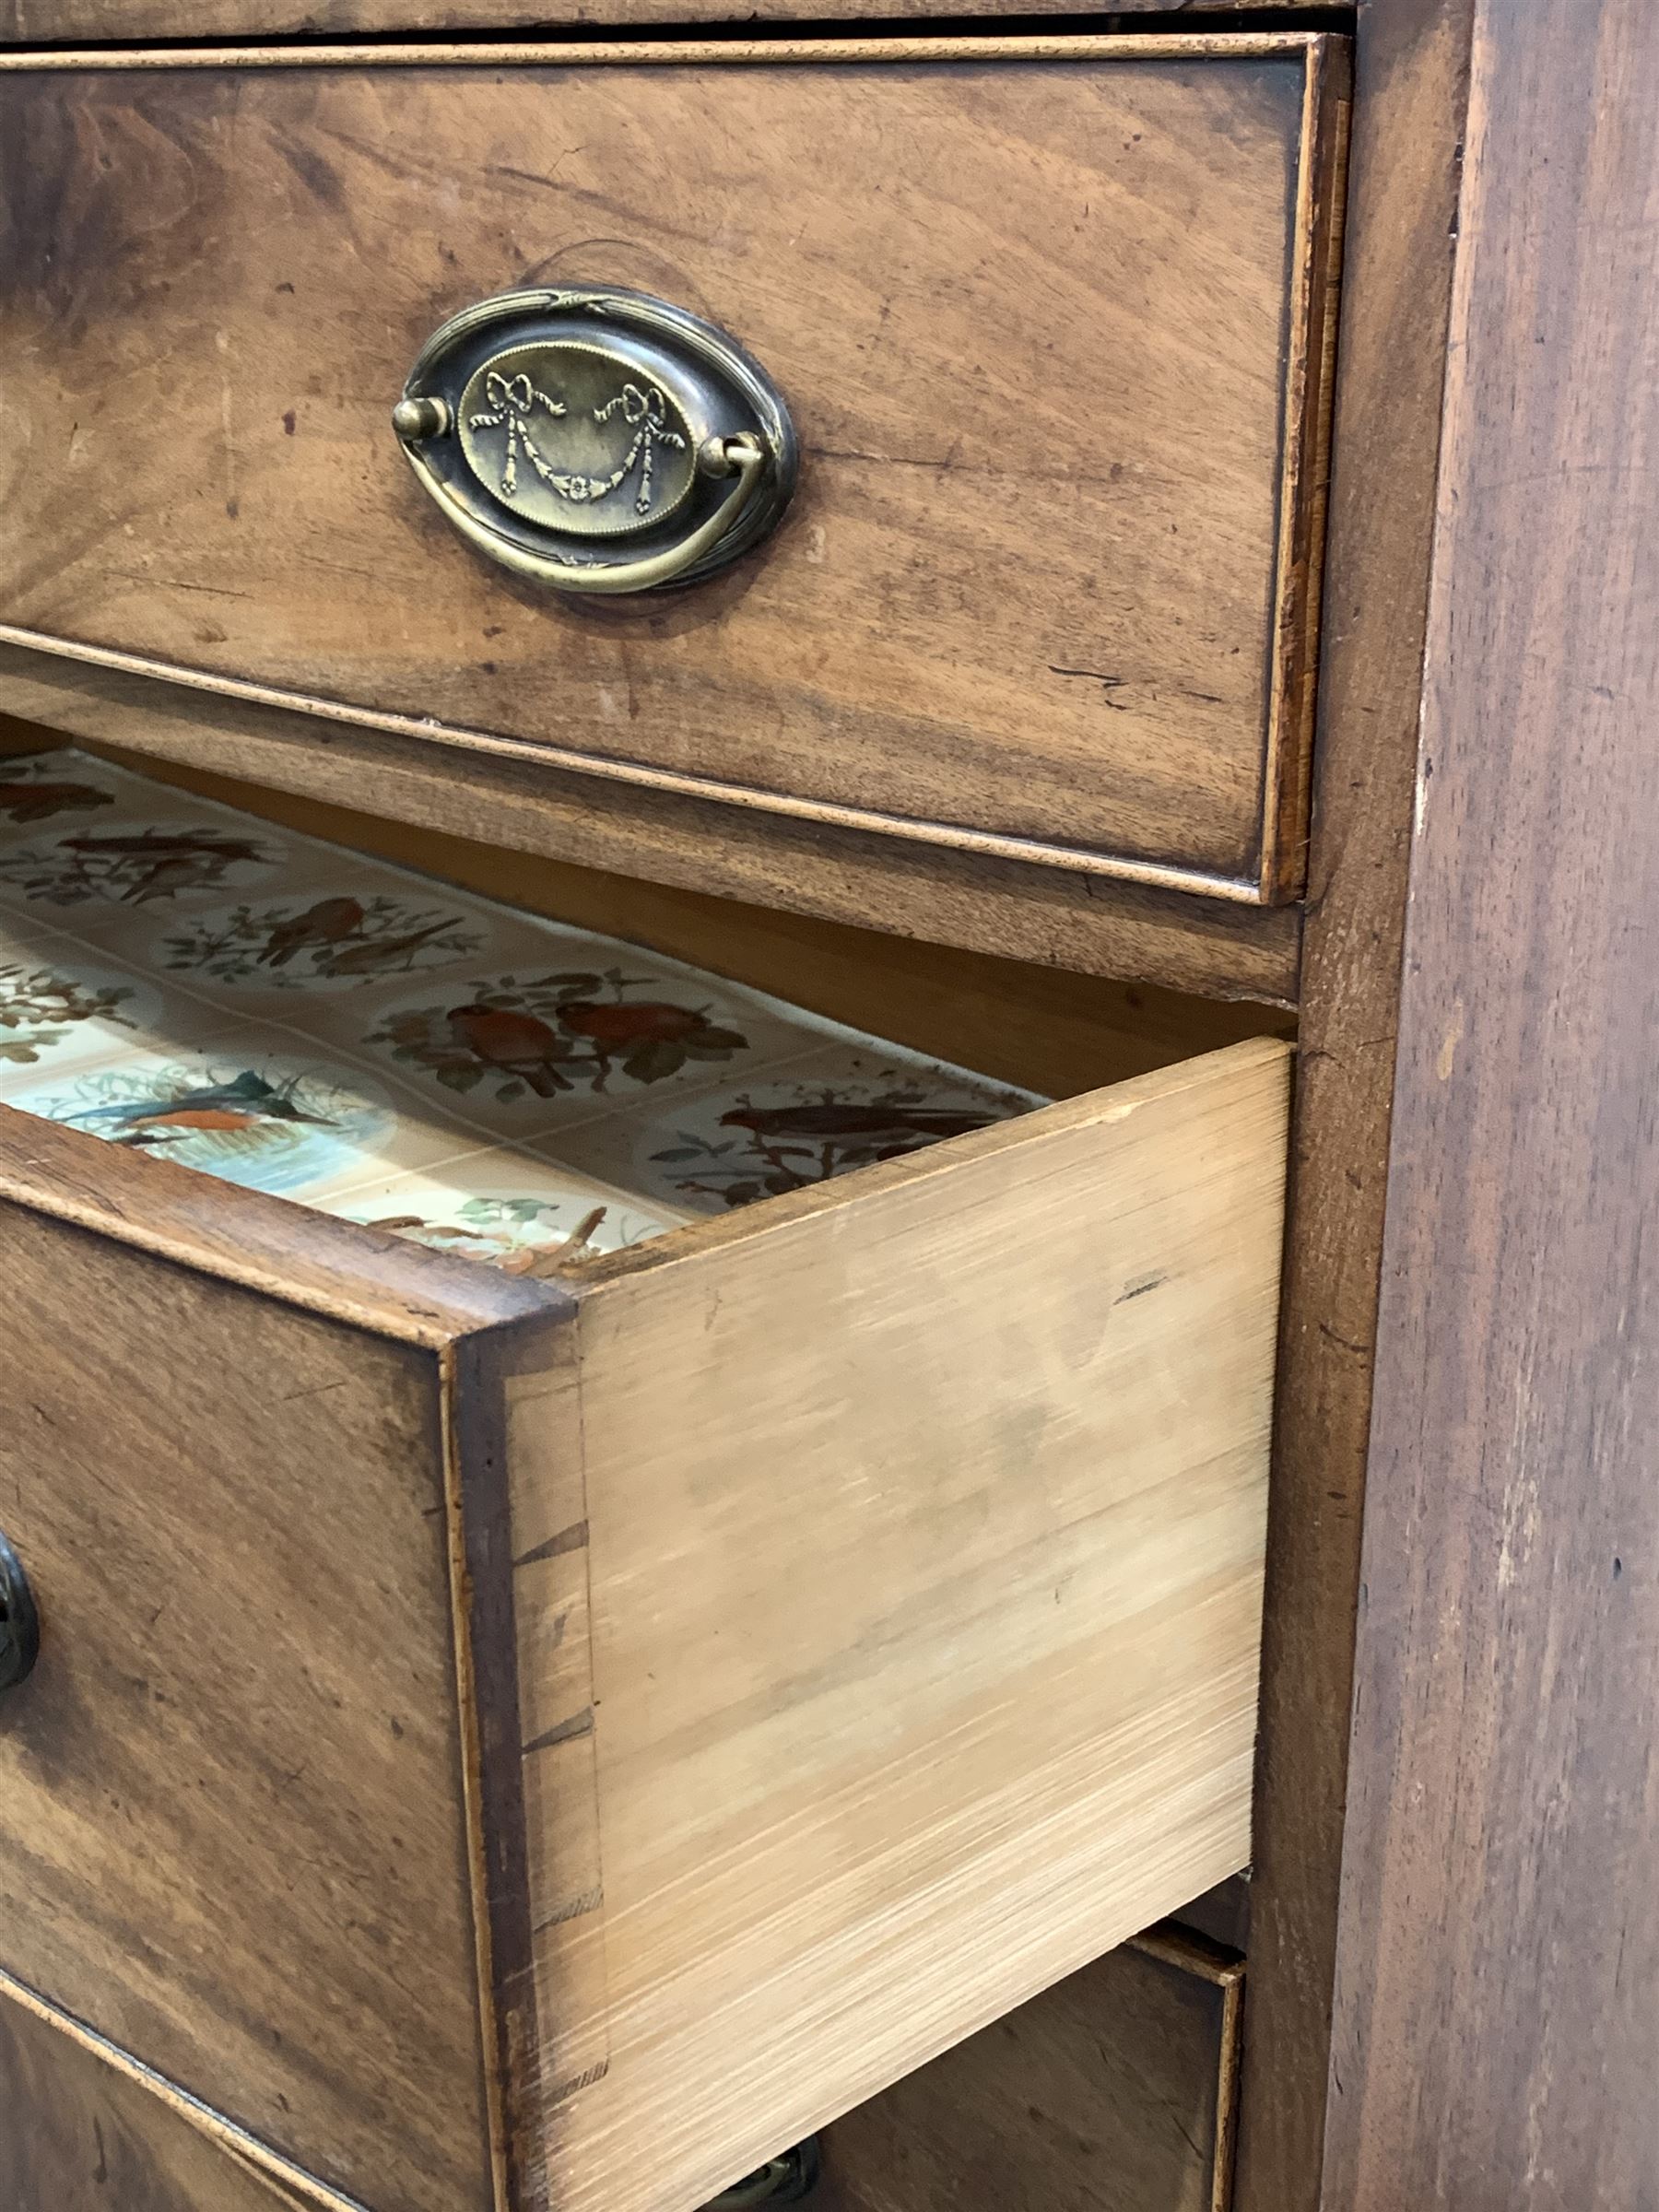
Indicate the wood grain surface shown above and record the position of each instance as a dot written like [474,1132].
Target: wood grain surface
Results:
[1498,2003]
[507,799]
[27,22]
[1050,322]
[78,2136]
[1410,92]
[952,1477]
[237,1837]
[1108,2093]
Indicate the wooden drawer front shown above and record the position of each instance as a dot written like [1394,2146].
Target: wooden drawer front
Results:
[1050,316]
[232,1831]
[860,1631]
[80,2134]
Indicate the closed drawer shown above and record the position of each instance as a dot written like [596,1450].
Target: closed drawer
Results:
[501,1741]
[1051,317]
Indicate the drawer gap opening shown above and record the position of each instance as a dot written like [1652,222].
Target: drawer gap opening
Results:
[501,1057]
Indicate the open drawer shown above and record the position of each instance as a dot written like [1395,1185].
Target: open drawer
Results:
[515,1742]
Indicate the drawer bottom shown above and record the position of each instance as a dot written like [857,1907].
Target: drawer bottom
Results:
[187,979]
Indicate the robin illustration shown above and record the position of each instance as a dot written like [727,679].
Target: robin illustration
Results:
[517,1044]
[38,802]
[242,1103]
[329,922]
[651,1038]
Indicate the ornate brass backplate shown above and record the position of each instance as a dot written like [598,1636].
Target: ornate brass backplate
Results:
[599,440]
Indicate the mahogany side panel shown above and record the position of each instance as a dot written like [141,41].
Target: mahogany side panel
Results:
[1498,1988]
[1410,89]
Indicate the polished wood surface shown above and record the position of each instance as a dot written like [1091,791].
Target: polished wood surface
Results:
[922,1516]
[1411,93]
[26,22]
[1111,2092]
[1050,319]
[234,1836]
[1498,2007]
[78,2136]
[1037,915]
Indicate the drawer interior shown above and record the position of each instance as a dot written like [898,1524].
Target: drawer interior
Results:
[300,1014]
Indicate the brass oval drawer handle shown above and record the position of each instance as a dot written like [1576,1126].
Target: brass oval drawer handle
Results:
[598,441]
[20,1626]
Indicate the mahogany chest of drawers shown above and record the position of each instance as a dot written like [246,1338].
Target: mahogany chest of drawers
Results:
[895,584]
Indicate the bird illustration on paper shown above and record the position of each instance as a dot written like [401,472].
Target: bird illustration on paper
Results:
[36,802]
[165,1116]
[328,921]
[158,864]
[897,1124]
[378,954]
[516,1043]
[644,1021]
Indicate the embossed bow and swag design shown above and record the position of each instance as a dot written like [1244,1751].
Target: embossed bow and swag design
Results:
[512,403]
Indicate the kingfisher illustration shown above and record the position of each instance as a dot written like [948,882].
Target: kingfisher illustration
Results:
[245,1102]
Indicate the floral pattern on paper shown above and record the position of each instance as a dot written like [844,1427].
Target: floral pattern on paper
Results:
[41,1006]
[521,1236]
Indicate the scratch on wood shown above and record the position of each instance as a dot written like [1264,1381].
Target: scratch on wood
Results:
[1108,684]
[1452,1038]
